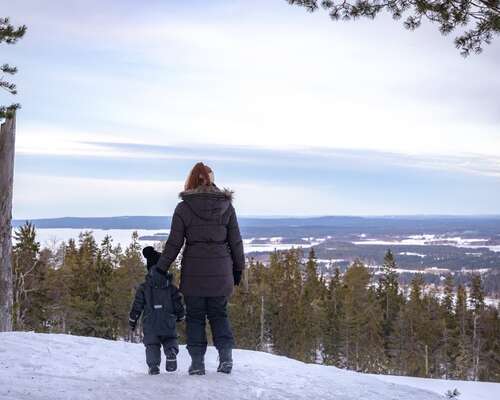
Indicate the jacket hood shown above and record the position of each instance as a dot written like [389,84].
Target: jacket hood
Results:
[208,202]
[162,281]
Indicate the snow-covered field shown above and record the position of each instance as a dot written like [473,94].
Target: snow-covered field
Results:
[425,240]
[49,366]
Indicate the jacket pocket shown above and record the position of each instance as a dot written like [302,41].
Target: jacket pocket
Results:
[162,321]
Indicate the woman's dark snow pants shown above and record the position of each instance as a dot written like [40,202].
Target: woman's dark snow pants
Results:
[198,309]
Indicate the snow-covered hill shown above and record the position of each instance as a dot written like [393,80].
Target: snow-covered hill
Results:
[40,366]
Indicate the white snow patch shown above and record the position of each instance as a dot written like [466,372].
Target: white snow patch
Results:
[409,253]
[56,367]
[469,390]
[427,239]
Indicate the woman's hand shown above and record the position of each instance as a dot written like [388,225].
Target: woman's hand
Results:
[237,277]
[157,276]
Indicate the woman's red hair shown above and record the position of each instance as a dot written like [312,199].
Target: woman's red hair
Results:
[199,176]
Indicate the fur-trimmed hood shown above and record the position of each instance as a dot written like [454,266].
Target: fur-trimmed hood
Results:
[212,189]
[208,202]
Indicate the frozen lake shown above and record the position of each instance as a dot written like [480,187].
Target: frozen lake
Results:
[54,236]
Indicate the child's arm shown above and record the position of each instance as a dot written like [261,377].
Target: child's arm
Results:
[137,307]
[179,310]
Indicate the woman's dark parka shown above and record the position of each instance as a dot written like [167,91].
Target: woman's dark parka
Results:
[206,221]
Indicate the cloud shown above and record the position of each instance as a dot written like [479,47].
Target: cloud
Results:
[365,113]
[310,157]
[39,196]
[261,75]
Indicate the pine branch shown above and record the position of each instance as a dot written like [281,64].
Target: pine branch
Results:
[6,68]
[10,34]
[482,16]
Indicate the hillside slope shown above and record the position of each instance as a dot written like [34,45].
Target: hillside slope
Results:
[48,366]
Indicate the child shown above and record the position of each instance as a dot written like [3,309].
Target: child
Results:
[160,303]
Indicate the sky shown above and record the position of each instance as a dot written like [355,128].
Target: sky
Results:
[300,115]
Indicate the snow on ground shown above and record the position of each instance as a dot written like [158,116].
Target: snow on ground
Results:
[469,390]
[49,366]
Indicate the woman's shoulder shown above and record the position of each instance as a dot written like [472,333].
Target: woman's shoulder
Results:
[180,207]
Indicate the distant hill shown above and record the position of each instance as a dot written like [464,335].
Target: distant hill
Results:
[296,226]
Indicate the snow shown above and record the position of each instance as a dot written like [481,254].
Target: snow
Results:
[468,390]
[409,253]
[274,243]
[50,366]
[50,237]
[427,239]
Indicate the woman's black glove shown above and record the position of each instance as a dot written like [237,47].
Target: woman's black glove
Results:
[157,275]
[237,277]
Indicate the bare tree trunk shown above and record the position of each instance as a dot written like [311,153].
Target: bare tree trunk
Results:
[262,321]
[7,145]
[475,349]
[426,361]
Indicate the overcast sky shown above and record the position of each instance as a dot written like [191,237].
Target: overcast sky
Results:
[298,114]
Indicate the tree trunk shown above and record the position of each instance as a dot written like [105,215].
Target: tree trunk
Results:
[7,144]
[262,321]
[426,361]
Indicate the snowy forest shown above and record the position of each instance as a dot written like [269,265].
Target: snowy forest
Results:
[353,320]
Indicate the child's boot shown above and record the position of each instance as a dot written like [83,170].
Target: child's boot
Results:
[225,361]
[154,370]
[197,366]
[171,363]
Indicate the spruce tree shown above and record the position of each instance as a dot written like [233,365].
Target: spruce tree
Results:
[30,291]
[413,315]
[463,359]
[286,327]
[477,304]
[450,329]
[332,319]
[390,301]
[310,307]
[245,309]
[127,276]
[362,325]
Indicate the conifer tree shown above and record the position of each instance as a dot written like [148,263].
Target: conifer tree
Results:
[105,324]
[477,304]
[127,276]
[411,328]
[450,330]
[390,301]
[362,325]
[310,308]
[463,360]
[287,330]
[333,317]
[245,308]
[30,300]
[9,35]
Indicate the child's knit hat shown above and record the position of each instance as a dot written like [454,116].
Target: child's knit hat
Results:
[152,256]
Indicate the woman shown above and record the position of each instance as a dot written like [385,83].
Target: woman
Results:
[212,263]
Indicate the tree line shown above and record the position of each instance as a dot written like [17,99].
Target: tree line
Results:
[355,320]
